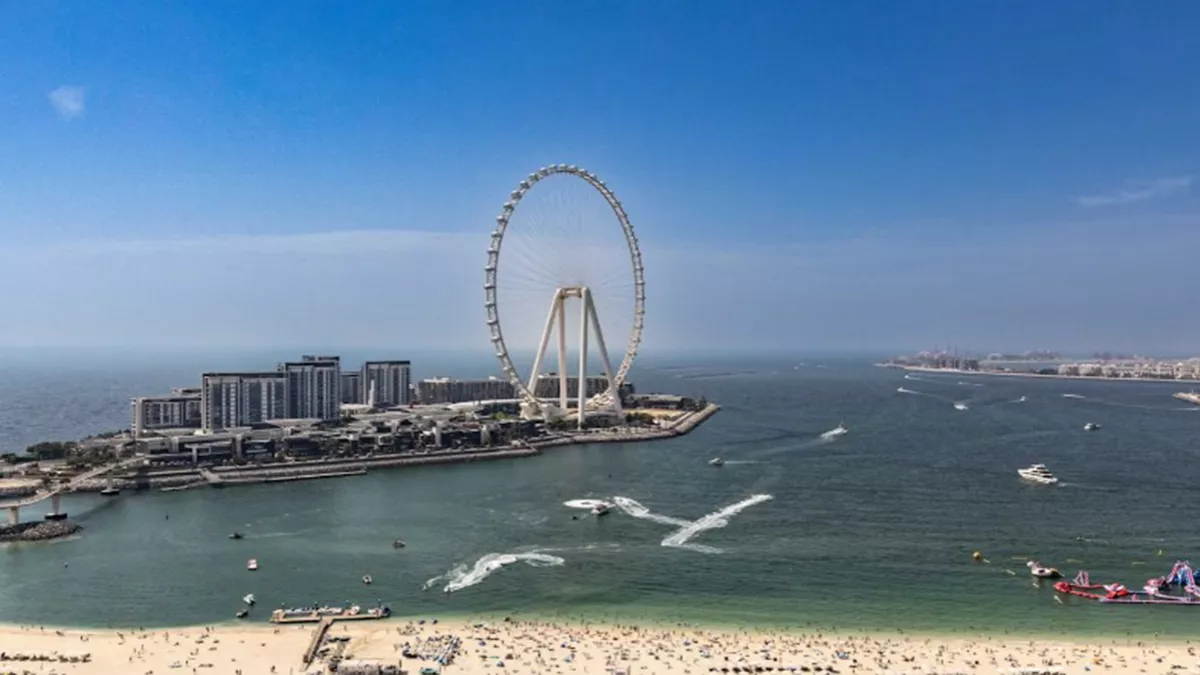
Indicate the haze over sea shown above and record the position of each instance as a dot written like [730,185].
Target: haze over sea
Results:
[872,529]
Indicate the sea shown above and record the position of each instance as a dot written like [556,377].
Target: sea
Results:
[873,529]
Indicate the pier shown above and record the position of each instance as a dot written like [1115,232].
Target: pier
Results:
[318,638]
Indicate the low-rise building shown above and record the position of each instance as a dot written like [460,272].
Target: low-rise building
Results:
[180,410]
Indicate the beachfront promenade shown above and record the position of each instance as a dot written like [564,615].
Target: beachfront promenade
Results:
[55,492]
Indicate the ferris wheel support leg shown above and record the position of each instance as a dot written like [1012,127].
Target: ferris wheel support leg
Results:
[584,306]
[608,370]
[555,308]
[562,353]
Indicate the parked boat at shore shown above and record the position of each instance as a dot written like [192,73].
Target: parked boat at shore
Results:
[316,613]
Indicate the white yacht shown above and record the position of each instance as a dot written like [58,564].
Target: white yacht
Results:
[1038,473]
[1091,426]
[716,461]
[249,599]
[960,406]
[252,564]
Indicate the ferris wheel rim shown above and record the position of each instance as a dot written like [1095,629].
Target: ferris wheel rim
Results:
[493,263]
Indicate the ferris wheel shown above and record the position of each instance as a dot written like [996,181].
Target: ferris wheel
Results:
[568,243]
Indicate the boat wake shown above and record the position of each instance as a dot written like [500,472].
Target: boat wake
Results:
[1073,396]
[634,508]
[584,503]
[720,518]
[902,390]
[462,576]
[688,529]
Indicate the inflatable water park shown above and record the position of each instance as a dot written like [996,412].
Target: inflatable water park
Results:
[1177,587]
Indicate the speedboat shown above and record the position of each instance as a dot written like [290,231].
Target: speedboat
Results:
[399,543]
[1091,426]
[716,461]
[252,564]
[249,599]
[367,579]
[242,613]
[960,406]
[1036,569]
[1038,473]
[601,509]
[236,535]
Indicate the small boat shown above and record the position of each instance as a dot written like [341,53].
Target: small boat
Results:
[960,406]
[249,599]
[601,509]
[1036,569]
[110,491]
[1091,426]
[242,613]
[1038,473]
[716,461]
[399,543]
[252,564]
[236,535]
[367,579]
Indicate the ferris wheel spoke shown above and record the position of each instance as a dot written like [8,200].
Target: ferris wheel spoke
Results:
[556,253]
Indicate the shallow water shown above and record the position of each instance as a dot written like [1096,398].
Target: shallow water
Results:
[873,528]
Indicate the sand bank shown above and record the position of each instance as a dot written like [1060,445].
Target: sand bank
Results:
[535,648]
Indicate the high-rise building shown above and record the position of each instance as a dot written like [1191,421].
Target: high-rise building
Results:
[314,387]
[180,410]
[352,388]
[230,400]
[391,380]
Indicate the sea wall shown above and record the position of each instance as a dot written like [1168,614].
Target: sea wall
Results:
[48,529]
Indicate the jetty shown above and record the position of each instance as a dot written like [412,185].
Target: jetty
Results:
[1190,397]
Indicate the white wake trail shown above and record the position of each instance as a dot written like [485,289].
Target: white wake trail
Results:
[462,577]
[714,520]
[637,510]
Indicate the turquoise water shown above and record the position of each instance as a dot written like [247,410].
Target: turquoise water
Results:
[873,529]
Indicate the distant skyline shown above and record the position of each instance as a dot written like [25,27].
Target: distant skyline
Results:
[803,176]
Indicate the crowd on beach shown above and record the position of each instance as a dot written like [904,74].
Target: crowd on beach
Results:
[523,647]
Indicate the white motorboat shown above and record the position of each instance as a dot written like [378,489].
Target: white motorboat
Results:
[249,599]
[716,461]
[1091,426]
[1038,473]
[960,406]
[839,430]
[252,564]
[367,579]
[601,509]
[1036,569]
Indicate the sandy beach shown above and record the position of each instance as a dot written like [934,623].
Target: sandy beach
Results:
[529,647]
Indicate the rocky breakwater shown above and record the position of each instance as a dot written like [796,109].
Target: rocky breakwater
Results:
[50,529]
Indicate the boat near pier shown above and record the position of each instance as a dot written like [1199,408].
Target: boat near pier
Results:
[316,613]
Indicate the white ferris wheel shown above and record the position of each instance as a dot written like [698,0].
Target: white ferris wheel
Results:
[568,245]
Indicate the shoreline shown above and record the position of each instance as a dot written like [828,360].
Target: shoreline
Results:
[1055,376]
[531,645]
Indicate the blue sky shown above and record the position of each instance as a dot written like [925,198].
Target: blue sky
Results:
[801,175]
